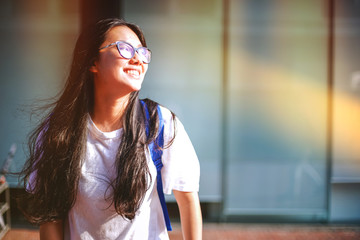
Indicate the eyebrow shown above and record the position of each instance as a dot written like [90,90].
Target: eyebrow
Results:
[114,43]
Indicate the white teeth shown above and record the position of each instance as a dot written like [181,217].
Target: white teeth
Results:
[133,72]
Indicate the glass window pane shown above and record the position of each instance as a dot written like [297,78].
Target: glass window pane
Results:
[277,105]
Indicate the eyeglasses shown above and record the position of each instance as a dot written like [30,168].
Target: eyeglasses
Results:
[127,51]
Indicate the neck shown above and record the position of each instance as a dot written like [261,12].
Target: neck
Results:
[108,111]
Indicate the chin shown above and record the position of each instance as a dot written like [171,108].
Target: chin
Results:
[135,87]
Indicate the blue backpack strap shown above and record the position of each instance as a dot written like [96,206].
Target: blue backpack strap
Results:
[156,154]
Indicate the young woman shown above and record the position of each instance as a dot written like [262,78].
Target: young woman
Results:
[90,174]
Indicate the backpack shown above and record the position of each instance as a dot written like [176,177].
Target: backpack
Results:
[156,154]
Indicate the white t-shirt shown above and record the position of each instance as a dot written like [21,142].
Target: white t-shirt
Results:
[92,216]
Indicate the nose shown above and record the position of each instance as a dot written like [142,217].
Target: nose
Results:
[136,59]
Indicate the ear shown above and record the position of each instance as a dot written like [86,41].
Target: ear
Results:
[94,68]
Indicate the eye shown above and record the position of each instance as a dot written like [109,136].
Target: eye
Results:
[145,54]
[126,50]
[142,51]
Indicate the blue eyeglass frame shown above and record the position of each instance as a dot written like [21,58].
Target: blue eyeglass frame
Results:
[135,49]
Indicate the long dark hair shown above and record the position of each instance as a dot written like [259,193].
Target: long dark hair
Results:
[57,145]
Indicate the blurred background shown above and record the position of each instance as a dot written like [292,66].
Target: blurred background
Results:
[268,91]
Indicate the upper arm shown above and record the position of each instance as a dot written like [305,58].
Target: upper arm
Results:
[189,205]
[186,198]
[52,230]
[190,214]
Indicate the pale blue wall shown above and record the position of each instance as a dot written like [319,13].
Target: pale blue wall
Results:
[37,39]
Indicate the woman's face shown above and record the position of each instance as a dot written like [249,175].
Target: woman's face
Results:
[115,74]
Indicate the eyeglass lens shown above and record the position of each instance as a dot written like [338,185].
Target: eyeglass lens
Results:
[127,51]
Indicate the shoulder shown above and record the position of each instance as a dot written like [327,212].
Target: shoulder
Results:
[170,120]
[166,114]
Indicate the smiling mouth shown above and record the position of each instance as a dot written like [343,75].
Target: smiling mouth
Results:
[133,73]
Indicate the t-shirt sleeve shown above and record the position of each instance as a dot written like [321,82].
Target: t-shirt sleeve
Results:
[181,170]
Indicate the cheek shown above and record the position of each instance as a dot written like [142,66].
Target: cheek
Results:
[110,61]
[146,66]
[113,69]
